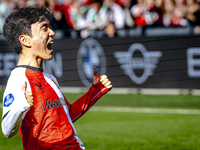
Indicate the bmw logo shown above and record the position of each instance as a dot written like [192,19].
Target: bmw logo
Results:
[90,55]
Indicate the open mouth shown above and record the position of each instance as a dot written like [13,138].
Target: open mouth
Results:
[49,45]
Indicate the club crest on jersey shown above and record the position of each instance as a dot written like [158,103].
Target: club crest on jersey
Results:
[8,100]
[51,105]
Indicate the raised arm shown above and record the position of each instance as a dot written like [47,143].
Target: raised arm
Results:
[101,85]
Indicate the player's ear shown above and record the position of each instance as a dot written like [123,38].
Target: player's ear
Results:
[25,40]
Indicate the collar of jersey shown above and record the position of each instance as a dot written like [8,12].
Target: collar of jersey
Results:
[30,67]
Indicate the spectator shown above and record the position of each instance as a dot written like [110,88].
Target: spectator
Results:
[20,4]
[173,13]
[86,2]
[180,13]
[92,17]
[41,3]
[193,14]
[65,9]
[168,12]
[78,15]
[2,18]
[144,13]
[151,14]
[92,14]
[137,11]
[56,18]
[31,3]
[158,3]
[73,12]
[158,8]
[6,7]
[192,7]
[126,4]
[110,30]
[112,12]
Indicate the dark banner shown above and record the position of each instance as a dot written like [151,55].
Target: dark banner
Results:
[144,62]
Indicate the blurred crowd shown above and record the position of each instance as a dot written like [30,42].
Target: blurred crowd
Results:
[111,15]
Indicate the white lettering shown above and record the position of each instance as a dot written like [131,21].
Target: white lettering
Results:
[1,65]
[54,66]
[7,62]
[193,62]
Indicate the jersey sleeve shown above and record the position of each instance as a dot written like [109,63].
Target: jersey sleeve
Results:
[84,103]
[15,106]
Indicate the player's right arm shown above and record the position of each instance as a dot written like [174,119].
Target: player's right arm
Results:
[16,102]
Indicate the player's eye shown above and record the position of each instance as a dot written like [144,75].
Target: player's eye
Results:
[44,28]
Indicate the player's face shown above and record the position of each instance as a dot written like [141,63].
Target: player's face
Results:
[42,39]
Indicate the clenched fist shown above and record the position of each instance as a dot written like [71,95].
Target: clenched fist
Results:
[103,80]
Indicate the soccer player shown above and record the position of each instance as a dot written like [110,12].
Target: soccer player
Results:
[33,104]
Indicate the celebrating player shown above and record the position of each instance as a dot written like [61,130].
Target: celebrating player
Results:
[33,104]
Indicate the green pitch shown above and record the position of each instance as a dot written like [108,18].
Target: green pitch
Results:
[134,131]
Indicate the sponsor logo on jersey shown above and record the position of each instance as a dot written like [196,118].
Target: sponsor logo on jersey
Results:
[137,58]
[51,105]
[39,86]
[8,100]
[90,55]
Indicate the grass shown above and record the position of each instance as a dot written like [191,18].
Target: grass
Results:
[138,100]
[134,131]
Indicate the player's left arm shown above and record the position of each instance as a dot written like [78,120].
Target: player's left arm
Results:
[101,85]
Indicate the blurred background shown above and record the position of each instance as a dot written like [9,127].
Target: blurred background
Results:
[149,49]
[80,18]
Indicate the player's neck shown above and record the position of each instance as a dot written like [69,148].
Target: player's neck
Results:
[30,61]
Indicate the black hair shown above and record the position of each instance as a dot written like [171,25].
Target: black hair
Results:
[19,22]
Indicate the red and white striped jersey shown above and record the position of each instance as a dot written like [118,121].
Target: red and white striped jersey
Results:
[48,124]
